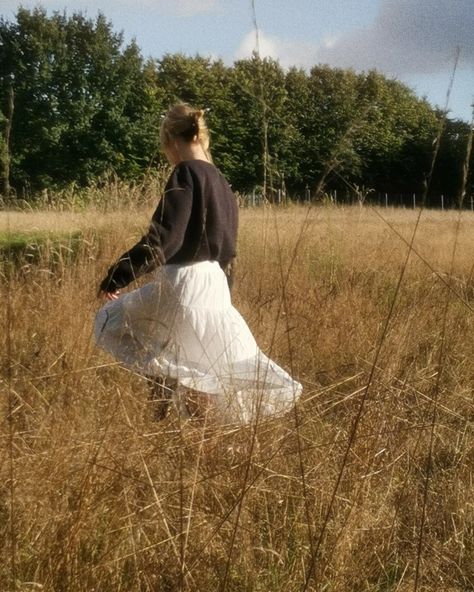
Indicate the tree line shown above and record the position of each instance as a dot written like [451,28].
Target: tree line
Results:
[79,105]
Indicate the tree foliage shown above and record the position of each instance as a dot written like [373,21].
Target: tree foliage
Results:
[87,105]
[83,103]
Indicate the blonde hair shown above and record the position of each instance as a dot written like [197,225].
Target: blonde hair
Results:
[185,122]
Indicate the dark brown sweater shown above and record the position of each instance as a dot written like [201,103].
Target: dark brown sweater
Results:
[196,220]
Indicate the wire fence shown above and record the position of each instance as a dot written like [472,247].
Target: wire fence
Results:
[256,198]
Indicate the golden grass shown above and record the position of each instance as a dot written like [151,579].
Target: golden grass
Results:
[95,497]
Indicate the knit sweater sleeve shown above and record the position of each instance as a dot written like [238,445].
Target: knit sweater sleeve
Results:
[165,234]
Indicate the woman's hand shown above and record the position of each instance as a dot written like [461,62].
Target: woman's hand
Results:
[109,295]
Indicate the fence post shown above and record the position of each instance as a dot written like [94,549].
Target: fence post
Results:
[442,202]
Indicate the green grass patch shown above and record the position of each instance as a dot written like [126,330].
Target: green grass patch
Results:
[48,248]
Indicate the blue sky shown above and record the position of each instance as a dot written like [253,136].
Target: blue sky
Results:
[412,40]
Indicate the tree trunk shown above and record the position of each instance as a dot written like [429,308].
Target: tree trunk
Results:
[6,189]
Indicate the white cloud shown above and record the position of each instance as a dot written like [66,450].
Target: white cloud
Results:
[288,52]
[407,37]
[329,41]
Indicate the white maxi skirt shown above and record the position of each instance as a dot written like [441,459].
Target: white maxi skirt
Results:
[182,325]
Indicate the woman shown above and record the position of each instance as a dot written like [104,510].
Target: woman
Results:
[182,325]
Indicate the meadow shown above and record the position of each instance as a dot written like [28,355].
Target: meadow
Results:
[366,486]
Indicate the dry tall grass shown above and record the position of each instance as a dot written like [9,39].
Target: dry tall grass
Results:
[94,497]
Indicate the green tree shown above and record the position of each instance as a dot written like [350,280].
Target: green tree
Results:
[324,114]
[83,105]
[394,141]
[260,123]
[300,109]
[448,171]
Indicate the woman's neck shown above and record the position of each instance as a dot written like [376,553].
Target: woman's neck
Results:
[191,151]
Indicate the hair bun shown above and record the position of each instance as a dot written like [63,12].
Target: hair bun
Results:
[186,122]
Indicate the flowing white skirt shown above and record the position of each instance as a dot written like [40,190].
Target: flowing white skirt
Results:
[182,325]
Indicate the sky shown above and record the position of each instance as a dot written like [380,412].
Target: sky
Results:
[414,41]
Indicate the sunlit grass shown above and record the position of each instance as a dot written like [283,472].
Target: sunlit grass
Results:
[104,499]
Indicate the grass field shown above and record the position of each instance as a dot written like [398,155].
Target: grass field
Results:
[367,486]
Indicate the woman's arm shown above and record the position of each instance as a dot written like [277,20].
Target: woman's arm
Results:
[164,237]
